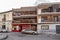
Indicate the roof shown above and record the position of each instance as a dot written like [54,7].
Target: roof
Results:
[45,5]
[6,11]
[21,9]
[25,9]
[52,3]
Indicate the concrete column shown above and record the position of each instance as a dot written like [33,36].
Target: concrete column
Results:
[39,19]
[17,27]
[38,28]
[38,11]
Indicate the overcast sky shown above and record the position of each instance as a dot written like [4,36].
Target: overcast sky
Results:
[6,5]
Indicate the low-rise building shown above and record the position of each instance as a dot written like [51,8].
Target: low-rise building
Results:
[6,20]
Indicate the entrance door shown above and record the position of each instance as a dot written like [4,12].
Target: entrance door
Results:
[3,27]
[58,29]
[34,27]
[20,28]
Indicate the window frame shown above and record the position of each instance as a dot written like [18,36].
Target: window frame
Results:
[44,27]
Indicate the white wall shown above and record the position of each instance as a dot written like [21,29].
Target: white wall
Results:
[52,27]
[39,20]
[38,11]
[38,28]
[9,26]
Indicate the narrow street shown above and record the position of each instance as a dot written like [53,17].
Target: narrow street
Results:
[19,36]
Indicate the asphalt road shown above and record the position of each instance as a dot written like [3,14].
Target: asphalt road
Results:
[19,36]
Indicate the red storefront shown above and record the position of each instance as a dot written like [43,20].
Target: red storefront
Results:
[20,27]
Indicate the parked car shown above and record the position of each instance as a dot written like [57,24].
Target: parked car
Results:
[3,30]
[29,31]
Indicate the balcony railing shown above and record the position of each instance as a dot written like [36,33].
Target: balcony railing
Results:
[49,22]
[25,21]
[19,22]
[24,13]
[48,13]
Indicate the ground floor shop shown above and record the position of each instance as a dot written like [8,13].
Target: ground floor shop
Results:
[54,28]
[20,27]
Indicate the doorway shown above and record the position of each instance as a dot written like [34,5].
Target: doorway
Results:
[20,28]
[58,29]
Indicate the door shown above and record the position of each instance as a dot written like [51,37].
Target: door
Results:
[58,29]
[20,28]
[34,27]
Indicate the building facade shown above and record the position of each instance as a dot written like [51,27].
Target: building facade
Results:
[18,19]
[6,20]
[43,18]
[48,17]
[23,18]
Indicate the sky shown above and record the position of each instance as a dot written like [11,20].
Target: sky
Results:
[6,5]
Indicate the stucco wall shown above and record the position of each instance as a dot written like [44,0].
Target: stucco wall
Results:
[1,16]
[8,22]
[52,27]
[8,26]
[9,16]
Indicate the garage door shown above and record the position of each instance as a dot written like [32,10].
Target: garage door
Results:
[58,29]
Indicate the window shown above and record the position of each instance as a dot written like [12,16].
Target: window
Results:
[49,9]
[3,27]
[43,18]
[4,18]
[55,18]
[44,10]
[58,10]
[17,14]
[14,27]
[45,27]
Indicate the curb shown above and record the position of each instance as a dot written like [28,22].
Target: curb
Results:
[47,33]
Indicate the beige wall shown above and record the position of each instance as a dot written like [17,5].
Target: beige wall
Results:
[8,21]
[9,16]
[1,16]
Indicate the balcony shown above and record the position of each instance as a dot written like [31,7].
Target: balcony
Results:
[51,22]
[25,21]
[51,10]
[49,19]
[50,13]
[24,14]
[28,15]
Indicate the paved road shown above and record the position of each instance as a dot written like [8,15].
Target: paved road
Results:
[19,36]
